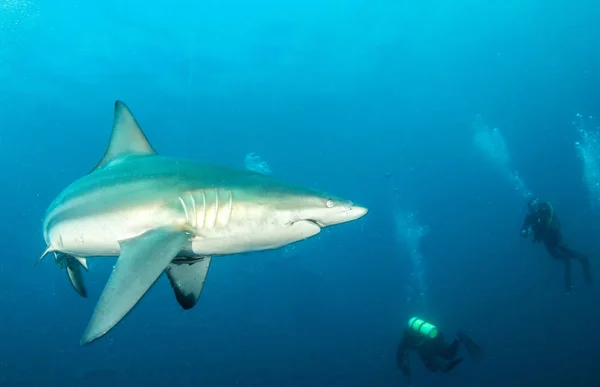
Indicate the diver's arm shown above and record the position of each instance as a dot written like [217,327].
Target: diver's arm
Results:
[403,360]
[528,222]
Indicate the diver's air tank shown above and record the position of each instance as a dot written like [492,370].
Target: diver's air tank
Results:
[423,327]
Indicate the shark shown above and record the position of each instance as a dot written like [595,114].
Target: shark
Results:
[159,214]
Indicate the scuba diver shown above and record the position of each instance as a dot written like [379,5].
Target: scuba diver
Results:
[424,339]
[542,222]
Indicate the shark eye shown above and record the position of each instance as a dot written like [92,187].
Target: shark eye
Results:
[329,203]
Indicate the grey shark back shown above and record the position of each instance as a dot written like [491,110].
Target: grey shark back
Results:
[160,214]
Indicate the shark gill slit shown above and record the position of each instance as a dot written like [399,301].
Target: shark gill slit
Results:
[216,208]
[194,213]
[229,209]
[203,209]
[187,217]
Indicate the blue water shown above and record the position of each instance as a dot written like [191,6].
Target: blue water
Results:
[336,95]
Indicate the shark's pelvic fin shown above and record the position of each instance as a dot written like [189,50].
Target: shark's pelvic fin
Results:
[187,280]
[73,267]
[127,137]
[142,261]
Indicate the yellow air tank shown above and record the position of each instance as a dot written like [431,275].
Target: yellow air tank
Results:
[423,327]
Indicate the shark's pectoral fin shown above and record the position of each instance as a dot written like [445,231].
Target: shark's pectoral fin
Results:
[187,280]
[142,261]
[73,265]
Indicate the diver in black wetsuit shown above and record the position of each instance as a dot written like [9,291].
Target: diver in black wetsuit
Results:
[424,339]
[542,222]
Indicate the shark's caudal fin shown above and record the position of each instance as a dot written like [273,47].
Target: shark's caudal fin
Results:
[142,261]
[187,280]
[73,265]
[83,262]
[127,138]
[75,277]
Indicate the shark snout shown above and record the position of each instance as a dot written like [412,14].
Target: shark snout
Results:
[354,212]
[346,214]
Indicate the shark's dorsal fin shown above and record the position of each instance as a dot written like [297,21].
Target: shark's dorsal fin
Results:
[126,139]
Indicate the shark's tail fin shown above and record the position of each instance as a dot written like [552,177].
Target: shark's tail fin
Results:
[73,267]
[476,353]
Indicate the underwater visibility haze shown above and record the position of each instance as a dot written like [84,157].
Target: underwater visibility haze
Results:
[268,122]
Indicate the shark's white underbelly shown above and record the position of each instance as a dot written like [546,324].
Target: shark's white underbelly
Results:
[100,235]
[252,238]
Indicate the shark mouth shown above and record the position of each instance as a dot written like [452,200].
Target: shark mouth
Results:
[307,220]
[315,222]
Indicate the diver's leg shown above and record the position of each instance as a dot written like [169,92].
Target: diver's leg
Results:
[567,252]
[557,251]
[585,262]
[475,352]
[587,270]
[554,250]
[451,364]
[431,363]
[450,351]
[403,360]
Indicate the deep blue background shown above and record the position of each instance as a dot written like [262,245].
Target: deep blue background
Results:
[334,94]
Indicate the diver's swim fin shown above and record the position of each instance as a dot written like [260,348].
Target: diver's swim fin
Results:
[475,352]
[451,364]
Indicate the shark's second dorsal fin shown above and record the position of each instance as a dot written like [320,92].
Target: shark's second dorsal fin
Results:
[127,138]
